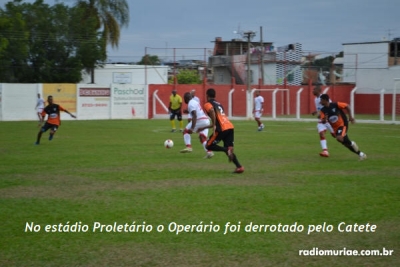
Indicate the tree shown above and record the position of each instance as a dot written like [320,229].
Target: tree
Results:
[108,16]
[111,15]
[186,76]
[52,56]
[149,60]
[14,43]
[89,42]
[42,43]
[325,62]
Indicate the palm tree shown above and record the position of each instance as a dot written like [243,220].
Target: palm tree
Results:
[111,15]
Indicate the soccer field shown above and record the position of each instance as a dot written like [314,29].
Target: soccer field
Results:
[107,193]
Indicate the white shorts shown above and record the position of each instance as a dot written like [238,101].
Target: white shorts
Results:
[199,124]
[39,110]
[257,114]
[322,127]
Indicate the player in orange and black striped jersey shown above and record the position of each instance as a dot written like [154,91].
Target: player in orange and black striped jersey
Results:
[223,130]
[53,119]
[332,112]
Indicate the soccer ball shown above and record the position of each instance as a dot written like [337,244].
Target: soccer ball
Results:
[168,143]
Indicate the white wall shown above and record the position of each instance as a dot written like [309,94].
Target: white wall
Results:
[367,65]
[373,81]
[129,74]
[363,56]
[270,74]
[93,102]
[19,101]
[129,101]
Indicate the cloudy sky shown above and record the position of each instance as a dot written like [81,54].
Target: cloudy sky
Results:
[189,27]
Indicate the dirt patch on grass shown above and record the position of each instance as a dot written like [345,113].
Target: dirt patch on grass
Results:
[69,187]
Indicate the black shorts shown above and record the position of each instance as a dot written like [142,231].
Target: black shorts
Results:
[47,126]
[226,136]
[342,131]
[177,113]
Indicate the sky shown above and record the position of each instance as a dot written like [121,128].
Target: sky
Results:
[186,29]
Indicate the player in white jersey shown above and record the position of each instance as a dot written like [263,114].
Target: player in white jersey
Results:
[321,127]
[198,120]
[258,110]
[39,107]
[194,97]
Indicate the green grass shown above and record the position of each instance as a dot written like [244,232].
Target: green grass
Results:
[119,171]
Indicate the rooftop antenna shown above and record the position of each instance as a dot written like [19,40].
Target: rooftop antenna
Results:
[238,31]
[389,34]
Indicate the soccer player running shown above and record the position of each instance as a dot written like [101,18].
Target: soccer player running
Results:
[175,110]
[223,130]
[332,112]
[258,110]
[321,127]
[198,119]
[53,119]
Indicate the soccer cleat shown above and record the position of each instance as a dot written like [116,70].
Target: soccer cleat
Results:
[51,137]
[260,129]
[181,130]
[230,153]
[186,150]
[173,130]
[36,143]
[209,155]
[239,170]
[354,146]
[362,156]
[324,153]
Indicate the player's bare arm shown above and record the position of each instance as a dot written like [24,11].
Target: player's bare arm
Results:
[213,118]
[322,117]
[351,118]
[72,115]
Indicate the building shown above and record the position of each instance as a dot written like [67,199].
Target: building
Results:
[269,65]
[128,74]
[371,66]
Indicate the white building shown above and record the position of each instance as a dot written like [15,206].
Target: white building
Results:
[372,66]
[128,74]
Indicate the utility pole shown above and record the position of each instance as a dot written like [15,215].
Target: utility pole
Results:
[249,35]
[395,51]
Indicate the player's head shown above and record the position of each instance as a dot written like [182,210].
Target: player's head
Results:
[257,92]
[174,92]
[193,92]
[324,99]
[38,95]
[50,99]
[317,90]
[187,96]
[210,93]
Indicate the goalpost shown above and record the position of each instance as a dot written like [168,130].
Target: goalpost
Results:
[273,101]
[394,109]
